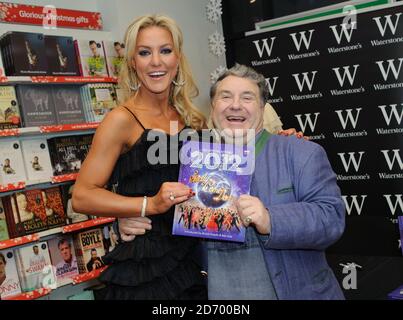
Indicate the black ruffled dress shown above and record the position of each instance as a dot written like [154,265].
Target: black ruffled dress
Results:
[157,265]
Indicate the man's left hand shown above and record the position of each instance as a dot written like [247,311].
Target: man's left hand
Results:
[252,212]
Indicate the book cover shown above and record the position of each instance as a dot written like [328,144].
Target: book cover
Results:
[92,58]
[37,105]
[401,232]
[9,111]
[89,247]
[115,54]
[61,55]
[64,155]
[12,168]
[72,216]
[68,104]
[68,153]
[28,54]
[34,266]
[56,216]
[103,100]
[3,222]
[2,69]
[9,282]
[64,261]
[37,160]
[110,238]
[29,212]
[218,176]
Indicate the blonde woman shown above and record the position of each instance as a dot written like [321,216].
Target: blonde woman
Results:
[159,87]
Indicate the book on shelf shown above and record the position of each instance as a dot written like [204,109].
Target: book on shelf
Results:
[115,54]
[3,223]
[12,168]
[68,103]
[91,56]
[37,105]
[68,153]
[34,266]
[61,55]
[25,213]
[72,216]
[53,201]
[103,100]
[10,117]
[9,281]
[37,160]
[90,249]
[24,54]
[63,256]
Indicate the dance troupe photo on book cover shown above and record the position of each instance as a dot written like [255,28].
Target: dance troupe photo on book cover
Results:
[218,174]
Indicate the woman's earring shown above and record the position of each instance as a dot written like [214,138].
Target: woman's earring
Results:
[135,87]
[178,84]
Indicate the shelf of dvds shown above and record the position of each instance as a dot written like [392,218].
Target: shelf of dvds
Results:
[10,243]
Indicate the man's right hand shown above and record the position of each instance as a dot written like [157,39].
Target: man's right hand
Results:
[129,228]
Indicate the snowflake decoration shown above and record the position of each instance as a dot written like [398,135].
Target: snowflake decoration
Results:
[214,10]
[217,44]
[217,73]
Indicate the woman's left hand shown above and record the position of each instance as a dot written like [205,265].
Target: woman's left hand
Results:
[293,132]
[252,212]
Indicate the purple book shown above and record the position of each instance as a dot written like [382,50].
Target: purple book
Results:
[218,174]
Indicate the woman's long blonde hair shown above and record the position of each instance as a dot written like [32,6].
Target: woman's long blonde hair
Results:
[186,89]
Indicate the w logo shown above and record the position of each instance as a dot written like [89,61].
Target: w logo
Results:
[303,124]
[354,203]
[346,30]
[265,46]
[392,112]
[271,84]
[352,160]
[396,156]
[346,73]
[391,67]
[305,80]
[344,120]
[393,206]
[387,23]
[302,38]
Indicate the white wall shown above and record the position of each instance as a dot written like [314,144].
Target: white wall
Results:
[117,15]
[191,17]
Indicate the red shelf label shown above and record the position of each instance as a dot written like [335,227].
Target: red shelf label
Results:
[69,127]
[9,132]
[12,186]
[87,224]
[31,295]
[65,177]
[88,276]
[72,79]
[18,241]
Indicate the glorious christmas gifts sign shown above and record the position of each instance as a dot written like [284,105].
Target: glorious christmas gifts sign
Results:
[49,16]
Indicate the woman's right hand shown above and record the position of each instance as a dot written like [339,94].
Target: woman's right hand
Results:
[129,228]
[170,194]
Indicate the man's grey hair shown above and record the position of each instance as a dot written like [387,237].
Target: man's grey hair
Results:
[245,72]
